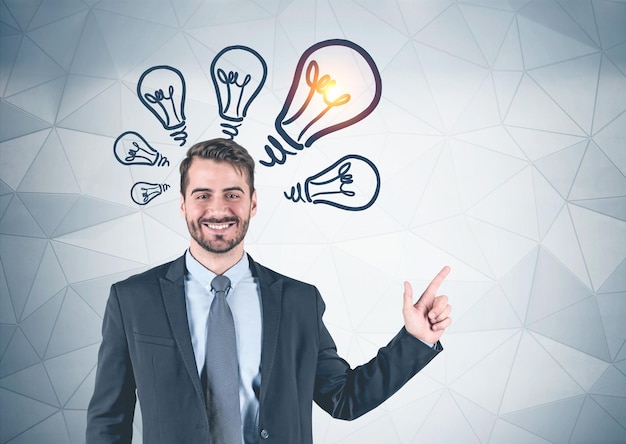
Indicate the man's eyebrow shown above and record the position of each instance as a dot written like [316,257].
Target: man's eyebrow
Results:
[201,190]
[211,190]
[235,188]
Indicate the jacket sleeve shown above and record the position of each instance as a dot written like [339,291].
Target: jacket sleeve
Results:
[111,410]
[347,393]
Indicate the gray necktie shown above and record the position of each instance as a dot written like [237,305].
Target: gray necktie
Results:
[222,369]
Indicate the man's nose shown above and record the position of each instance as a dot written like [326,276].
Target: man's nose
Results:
[218,205]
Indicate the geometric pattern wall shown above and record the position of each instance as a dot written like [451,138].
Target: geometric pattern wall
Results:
[500,138]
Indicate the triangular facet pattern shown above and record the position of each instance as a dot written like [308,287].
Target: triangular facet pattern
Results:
[499,140]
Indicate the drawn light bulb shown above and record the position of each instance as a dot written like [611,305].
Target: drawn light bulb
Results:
[336,84]
[162,90]
[144,192]
[131,148]
[351,183]
[238,74]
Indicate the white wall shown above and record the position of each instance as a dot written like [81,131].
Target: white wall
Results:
[499,139]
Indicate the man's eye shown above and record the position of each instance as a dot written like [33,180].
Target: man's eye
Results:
[233,196]
[202,196]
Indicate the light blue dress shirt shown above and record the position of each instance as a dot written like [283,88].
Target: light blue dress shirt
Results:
[244,300]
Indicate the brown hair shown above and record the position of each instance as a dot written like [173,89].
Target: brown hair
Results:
[220,150]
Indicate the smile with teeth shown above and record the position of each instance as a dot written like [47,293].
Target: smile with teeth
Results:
[218,226]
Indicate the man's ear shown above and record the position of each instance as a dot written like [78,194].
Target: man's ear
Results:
[253,204]
[182,205]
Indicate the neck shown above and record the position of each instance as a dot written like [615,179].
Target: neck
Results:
[218,263]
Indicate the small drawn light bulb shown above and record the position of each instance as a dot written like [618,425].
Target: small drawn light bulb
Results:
[162,90]
[143,192]
[352,183]
[238,74]
[130,148]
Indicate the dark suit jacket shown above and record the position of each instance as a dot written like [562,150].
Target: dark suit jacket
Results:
[146,349]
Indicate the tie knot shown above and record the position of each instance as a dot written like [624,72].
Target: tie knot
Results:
[220,283]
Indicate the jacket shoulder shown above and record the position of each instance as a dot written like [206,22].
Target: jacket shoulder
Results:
[153,274]
[270,276]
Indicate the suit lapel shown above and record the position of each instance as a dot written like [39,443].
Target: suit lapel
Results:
[173,291]
[271,297]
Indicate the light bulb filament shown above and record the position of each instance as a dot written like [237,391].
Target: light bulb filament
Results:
[231,79]
[320,85]
[345,178]
[147,193]
[132,154]
[159,98]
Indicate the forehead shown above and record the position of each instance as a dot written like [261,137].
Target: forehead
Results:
[220,174]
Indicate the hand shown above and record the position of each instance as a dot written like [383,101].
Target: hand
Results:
[429,316]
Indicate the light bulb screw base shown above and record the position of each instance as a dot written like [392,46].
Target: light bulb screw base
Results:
[180,135]
[162,161]
[230,130]
[297,194]
[277,152]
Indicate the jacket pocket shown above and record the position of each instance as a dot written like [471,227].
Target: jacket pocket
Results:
[156,340]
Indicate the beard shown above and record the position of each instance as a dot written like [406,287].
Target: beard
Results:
[218,243]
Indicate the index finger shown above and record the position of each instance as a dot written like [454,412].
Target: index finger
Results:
[437,281]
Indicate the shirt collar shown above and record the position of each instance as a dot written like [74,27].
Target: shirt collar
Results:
[236,273]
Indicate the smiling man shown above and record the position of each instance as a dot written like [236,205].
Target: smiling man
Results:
[220,349]
[217,202]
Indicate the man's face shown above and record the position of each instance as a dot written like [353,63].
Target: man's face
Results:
[217,206]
